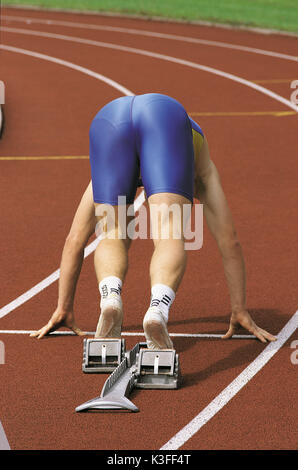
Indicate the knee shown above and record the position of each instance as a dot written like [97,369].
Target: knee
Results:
[75,242]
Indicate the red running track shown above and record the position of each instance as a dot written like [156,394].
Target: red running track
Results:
[253,141]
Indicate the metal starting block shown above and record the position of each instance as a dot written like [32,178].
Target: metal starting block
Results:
[102,355]
[157,368]
[140,368]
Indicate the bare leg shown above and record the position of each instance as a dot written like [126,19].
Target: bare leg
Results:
[168,261]
[111,259]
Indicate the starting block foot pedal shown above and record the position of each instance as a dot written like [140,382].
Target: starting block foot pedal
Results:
[102,355]
[157,369]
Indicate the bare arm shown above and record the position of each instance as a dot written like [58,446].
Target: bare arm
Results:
[82,227]
[220,222]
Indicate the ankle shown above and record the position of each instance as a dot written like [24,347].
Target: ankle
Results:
[162,297]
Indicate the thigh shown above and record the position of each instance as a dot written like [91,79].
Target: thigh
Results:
[113,158]
[114,222]
[169,214]
[165,145]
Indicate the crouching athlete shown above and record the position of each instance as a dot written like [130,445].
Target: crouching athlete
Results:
[150,137]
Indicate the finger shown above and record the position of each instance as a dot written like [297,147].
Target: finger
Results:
[261,334]
[35,333]
[268,335]
[77,330]
[258,335]
[43,331]
[229,333]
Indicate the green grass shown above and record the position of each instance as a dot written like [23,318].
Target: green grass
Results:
[274,14]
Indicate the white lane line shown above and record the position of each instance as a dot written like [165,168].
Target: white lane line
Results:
[193,427]
[174,37]
[30,293]
[233,388]
[55,275]
[156,55]
[4,445]
[129,333]
[194,335]
[71,65]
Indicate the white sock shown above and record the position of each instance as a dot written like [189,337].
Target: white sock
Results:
[110,285]
[162,297]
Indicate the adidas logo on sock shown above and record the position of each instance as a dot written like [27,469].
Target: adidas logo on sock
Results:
[117,291]
[166,300]
[154,303]
[104,291]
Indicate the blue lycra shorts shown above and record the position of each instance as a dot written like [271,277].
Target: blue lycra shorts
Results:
[147,136]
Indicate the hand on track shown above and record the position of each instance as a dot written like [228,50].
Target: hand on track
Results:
[244,319]
[58,320]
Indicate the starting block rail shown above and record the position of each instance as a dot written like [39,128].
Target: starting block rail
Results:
[140,368]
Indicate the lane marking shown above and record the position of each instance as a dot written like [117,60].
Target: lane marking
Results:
[55,275]
[246,113]
[71,65]
[90,248]
[79,157]
[175,37]
[188,431]
[4,445]
[151,54]
[128,333]
[277,80]
[242,81]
